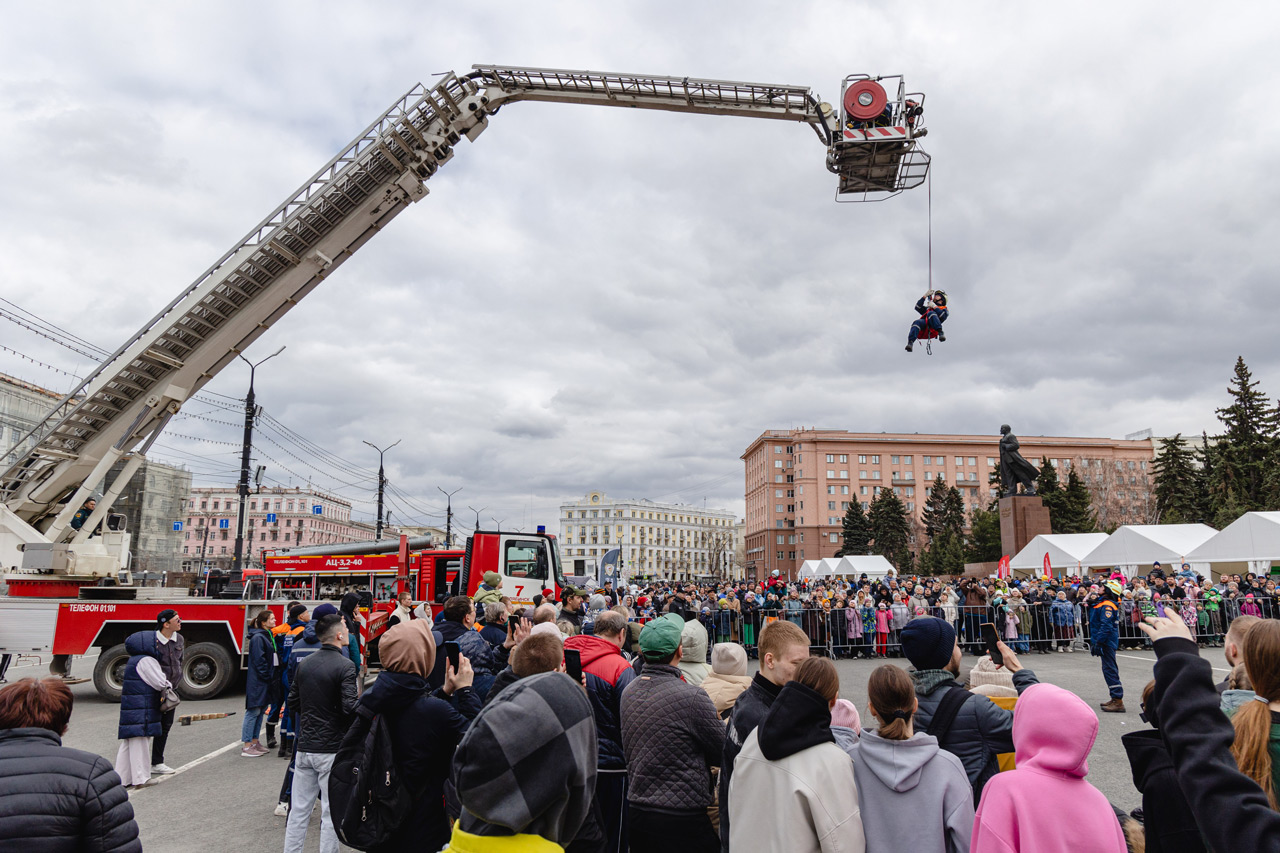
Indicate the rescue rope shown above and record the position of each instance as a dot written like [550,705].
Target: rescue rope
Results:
[928,343]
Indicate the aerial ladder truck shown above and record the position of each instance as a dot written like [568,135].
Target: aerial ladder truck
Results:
[115,415]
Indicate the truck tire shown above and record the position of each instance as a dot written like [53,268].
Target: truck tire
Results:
[207,670]
[108,673]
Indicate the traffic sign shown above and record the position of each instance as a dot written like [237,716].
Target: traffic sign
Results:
[271,518]
[317,510]
[177,526]
[224,523]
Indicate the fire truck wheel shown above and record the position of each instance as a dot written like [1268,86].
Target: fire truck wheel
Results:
[108,673]
[207,670]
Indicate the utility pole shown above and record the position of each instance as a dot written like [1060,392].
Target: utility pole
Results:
[448,517]
[250,412]
[477,512]
[382,481]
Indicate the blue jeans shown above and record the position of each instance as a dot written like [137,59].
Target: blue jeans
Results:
[310,779]
[1110,671]
[918,327]
[252,724]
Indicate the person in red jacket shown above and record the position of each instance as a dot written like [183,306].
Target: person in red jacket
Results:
[607,674]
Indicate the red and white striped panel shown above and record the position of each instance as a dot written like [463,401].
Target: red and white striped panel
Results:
[876,134]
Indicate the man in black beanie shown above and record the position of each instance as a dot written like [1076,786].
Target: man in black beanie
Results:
[972,728]
[170,648]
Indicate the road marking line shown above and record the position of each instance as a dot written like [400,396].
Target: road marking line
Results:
[1153,660]
[156,780]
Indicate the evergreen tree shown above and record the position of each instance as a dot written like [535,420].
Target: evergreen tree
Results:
[1051,493]
[945,551]
[954,517]
[1178,489]
[1241,458]
[1077,514]
[890,530]
[856,532]
[996,481]
[935,508]
[983,545]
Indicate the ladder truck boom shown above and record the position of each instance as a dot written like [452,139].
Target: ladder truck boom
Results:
[120,409]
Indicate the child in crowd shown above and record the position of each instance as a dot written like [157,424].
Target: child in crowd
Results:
[882,630]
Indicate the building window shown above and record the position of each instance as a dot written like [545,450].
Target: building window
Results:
[863,475]
[830,458]
[906,460]
[844,490]
[973,460]
[862,460]
[844,459]
[831,475]
[875,460]
[896,460]
[831,505]
[875,475]
[862,490]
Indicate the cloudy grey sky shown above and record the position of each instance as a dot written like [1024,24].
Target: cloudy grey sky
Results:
[623,300]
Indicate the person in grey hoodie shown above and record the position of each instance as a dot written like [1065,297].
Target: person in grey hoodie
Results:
[900,771]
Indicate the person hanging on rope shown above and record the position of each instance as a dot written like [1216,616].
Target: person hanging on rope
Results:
[932,309]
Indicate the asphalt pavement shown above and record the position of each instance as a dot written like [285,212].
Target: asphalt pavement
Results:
[219,801]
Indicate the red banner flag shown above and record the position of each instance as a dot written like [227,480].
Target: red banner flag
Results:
[1048,569]
[1002,570]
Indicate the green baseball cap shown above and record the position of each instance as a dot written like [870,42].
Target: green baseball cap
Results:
[660,637]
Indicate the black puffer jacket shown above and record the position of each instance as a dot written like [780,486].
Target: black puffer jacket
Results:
[323,695]
[425,729]
[981,730]
[55,799]
[1170,826]
[672,737]
[1236,813]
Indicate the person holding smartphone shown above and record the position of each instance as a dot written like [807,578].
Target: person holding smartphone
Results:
[975,730]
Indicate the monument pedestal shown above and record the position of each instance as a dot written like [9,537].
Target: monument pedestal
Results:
[1022,519]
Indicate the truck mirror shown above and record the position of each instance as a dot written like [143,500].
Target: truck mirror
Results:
[542,561]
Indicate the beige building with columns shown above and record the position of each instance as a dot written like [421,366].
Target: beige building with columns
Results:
[799,482]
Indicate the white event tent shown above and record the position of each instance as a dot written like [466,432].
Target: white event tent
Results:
[874,565]
[1066,552]
[1137,546]
[1251,543]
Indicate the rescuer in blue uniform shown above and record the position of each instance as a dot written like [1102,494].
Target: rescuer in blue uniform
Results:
[932,309]
[1104,639]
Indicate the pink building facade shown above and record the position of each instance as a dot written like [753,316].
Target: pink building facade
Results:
[277,518]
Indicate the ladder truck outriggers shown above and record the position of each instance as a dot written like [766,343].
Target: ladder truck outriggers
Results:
[61,574]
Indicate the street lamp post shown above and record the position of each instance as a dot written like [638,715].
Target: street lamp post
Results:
[448,517]
[381,482]
[250,412]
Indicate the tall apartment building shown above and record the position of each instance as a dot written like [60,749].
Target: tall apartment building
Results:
[799,483]
[656,540]
[299,517]
[155,497]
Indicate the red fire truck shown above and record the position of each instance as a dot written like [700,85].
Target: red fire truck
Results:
[215,630]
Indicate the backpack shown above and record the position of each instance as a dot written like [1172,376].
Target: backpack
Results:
[367,797]
[945,714]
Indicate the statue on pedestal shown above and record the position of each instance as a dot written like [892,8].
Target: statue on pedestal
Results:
[1014,470]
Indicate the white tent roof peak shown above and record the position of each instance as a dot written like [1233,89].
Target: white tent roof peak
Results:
[1254,536]
[875,565]
[1066,551]
[1143,544]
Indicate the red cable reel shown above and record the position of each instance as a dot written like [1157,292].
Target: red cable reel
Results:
[865,100]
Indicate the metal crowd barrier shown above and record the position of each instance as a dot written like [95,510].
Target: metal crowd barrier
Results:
[1040,628]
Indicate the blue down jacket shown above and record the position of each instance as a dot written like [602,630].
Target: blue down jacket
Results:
[139,702]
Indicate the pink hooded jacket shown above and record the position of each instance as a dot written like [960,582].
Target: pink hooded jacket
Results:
[1020,811]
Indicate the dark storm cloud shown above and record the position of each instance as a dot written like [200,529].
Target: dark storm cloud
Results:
[623,300]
